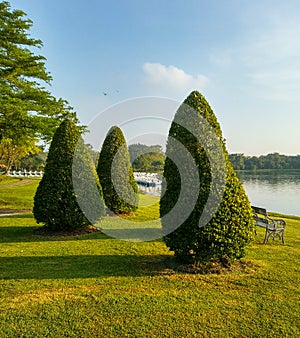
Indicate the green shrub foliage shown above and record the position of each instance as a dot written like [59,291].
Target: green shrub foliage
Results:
[225,236]
[116,175]
[55,201]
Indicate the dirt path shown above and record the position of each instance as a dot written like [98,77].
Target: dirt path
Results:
[23,181]
[9,212]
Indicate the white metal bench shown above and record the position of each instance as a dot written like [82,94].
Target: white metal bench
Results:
[274,227]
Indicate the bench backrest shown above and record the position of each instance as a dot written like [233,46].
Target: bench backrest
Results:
[260,215]
[260,211]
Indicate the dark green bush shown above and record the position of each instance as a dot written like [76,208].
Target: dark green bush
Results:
[55,201]
[116,175]
[225,236]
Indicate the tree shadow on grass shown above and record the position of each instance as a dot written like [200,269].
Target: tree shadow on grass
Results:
[29,232]
[82,266]
[12,232]
[23,234]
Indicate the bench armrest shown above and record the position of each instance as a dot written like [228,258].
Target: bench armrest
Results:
[276,223]
[280,222]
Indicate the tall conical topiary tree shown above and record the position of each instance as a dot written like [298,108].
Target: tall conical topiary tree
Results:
[55,201]
[116,175]
[230,226]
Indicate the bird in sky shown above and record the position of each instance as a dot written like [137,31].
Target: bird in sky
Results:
[107,93]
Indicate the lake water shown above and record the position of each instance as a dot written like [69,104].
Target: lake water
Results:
[277,191]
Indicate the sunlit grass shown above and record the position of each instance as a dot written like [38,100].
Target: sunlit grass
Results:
[148,209]
[93,285]
[17,193]
[6,180]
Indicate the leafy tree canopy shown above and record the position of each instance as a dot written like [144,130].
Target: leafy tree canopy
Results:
[10,152]
[138,149]
[33,161]
[27,109]
[230,228]
[116,175]
[146,158]
[269,161]
[68,182]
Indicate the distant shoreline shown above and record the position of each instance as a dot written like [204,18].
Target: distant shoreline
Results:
[267,170]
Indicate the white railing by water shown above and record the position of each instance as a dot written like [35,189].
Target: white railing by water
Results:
[25,173]
[147,179]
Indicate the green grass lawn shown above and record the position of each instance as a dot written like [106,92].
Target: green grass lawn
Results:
[93,285]
[17,193]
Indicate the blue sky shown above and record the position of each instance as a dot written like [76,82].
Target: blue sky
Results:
[243,56]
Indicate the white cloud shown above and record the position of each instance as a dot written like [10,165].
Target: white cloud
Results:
[159,76]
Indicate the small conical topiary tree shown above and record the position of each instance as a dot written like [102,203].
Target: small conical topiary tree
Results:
[116,175]
[229,228]
[55,201]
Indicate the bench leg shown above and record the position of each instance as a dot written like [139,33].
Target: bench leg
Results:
[282,236]
[267,235]
[276,234]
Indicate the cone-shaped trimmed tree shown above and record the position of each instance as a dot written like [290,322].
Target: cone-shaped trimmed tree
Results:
[55,201]
[116,175]
[230,227]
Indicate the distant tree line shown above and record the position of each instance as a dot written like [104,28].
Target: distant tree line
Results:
[143,158]
[270,161]
[151,159]
[146,158]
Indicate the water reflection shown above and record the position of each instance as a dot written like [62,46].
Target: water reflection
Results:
[277,191]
